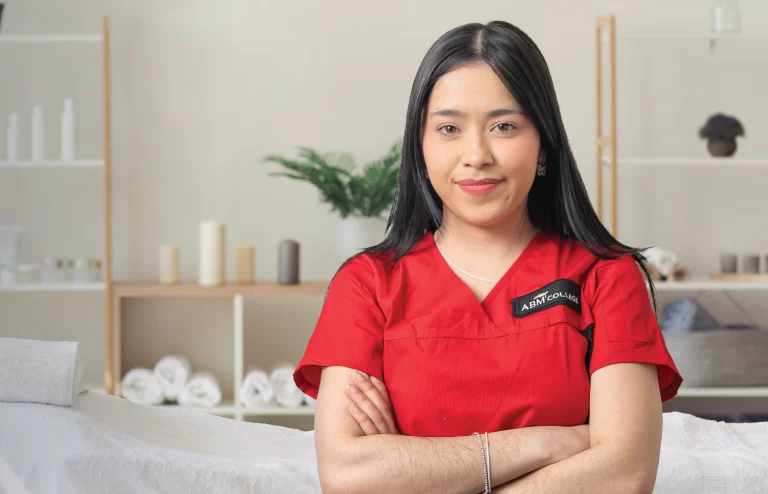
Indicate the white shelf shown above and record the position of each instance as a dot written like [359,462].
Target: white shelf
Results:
[228,408]
[709,285]
[682,35]
[699,162]
[53,287]
[52,164]
[279,411]
[756,392]
[50,38]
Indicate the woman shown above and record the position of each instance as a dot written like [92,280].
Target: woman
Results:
[497,304]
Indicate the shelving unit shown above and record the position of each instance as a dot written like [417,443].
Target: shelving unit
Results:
[238,293]
[609,161]
[105,163]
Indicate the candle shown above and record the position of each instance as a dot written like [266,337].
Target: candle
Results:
[288,262]
[169,264]
[244,264]
[729,263]
[750,264]
[212,253]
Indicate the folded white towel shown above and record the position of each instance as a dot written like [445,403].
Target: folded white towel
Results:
[257,389]
[202,390]
[142,386]
[173,371]
[287,394]
[34,371]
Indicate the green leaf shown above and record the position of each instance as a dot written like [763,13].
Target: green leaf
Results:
[369,193]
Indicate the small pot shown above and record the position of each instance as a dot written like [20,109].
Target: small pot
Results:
[721,147]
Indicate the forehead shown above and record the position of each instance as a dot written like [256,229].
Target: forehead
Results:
[474,87]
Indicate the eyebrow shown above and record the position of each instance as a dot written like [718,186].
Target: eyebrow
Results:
[500,112]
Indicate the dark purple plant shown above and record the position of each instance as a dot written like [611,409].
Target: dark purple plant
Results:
[720,126]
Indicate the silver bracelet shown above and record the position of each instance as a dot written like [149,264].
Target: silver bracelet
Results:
[488,457]
[485,464]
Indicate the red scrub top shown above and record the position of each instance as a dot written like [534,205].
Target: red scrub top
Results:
[522,357]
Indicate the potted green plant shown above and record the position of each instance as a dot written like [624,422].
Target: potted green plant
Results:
[721,132]
[362,197]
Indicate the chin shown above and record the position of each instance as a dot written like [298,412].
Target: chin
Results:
[484,218]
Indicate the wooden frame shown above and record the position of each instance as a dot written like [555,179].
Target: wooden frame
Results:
[606,142]
[109,378]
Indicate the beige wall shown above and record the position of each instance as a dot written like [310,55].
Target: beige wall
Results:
[203,90]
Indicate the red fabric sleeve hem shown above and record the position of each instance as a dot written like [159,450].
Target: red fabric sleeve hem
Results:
[669,379]
[307,374]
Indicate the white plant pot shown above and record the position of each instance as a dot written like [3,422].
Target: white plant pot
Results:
[354,234]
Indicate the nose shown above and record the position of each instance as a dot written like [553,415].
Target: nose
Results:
[478,154]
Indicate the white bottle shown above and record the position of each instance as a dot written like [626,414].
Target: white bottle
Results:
[37,133]
[68,131]
[12,138]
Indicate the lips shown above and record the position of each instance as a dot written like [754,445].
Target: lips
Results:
[474,183]
[478,187]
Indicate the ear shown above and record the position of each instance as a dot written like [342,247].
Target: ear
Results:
[542,156]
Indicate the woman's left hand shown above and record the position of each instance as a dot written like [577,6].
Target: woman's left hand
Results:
[372,409]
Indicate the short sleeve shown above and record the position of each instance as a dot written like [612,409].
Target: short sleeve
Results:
[625,326]
[350,329]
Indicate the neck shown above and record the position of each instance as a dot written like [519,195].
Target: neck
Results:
[485,250]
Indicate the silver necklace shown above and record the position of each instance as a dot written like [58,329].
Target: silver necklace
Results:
[487,280]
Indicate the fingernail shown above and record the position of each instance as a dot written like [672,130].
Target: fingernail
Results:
[359,376]
[351,389]
[354,409]
[375,380]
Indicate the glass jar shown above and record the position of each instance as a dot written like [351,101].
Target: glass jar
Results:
[725,17]
[28,273]
[67,268]
[53,271]
[94,266]
[80,271]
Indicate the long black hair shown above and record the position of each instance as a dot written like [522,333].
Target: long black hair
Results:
[558,202]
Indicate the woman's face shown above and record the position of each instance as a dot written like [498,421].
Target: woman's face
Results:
[480,149]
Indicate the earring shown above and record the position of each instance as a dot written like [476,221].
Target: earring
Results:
[541,169]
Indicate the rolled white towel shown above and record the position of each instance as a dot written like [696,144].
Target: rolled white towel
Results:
[257,390]
[173,371]
[287,394]
[35,371]
[202,390]
[142,386]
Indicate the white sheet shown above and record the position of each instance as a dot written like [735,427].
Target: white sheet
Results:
[109,445]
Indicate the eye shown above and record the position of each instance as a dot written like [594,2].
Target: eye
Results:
[448,129]
[505,127]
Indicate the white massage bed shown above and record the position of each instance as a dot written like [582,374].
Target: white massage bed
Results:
[105,444]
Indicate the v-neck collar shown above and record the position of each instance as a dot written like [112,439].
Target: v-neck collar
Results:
[499,286]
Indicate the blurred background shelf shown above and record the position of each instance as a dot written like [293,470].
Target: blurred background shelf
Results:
[662,161]
[51,38]
[129,289]
[704,284]
[752,392]
[55,164]
[229,408]
[691,35]
[54,287]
